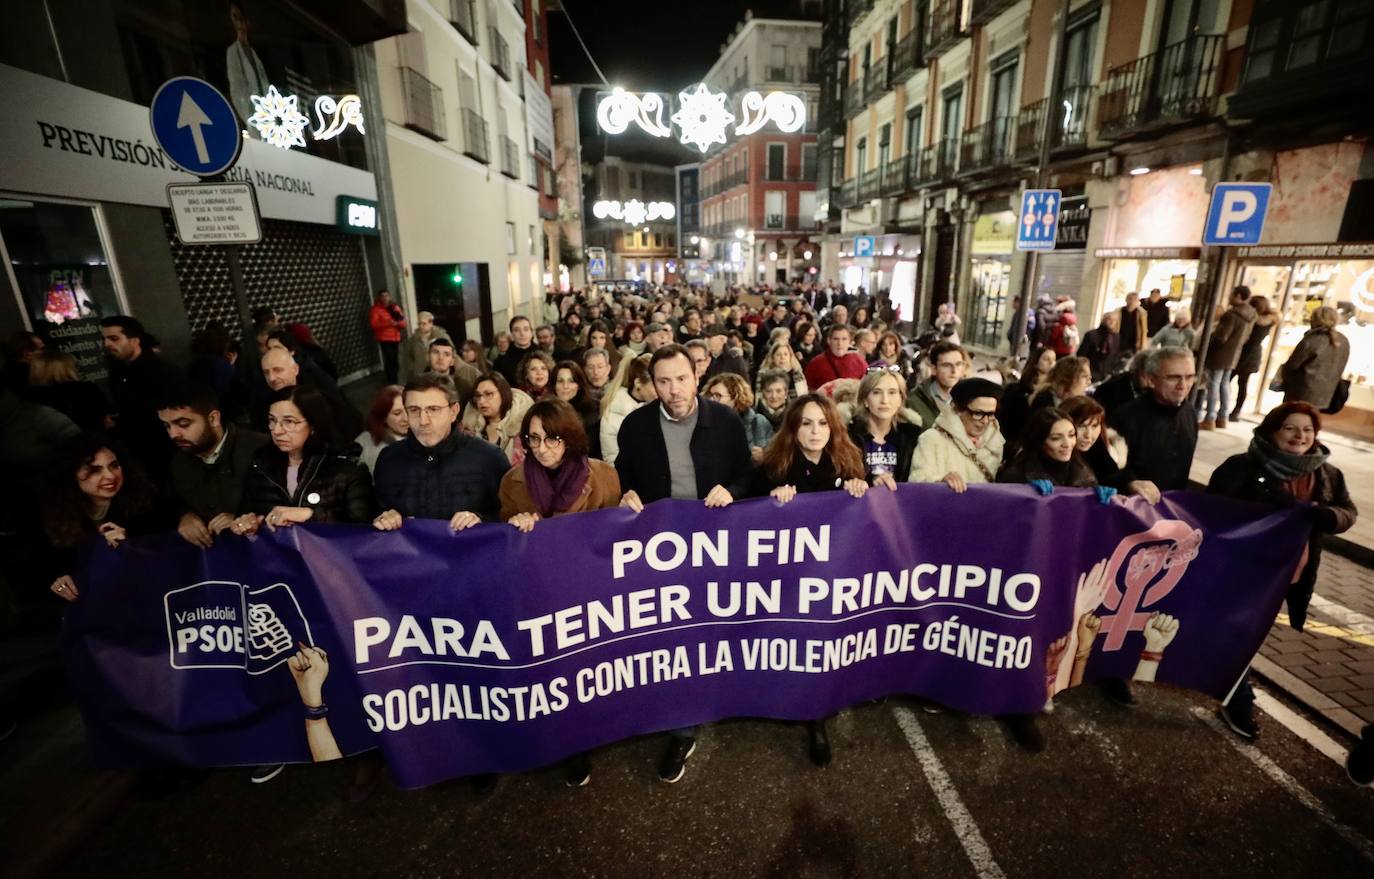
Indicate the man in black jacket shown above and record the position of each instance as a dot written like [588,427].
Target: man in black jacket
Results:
[686,447]
[1159,428]
[437,472]
[521,343]
[212,462]
[137,379]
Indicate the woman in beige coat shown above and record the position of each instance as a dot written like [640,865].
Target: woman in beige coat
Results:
[494,413]
[964,446]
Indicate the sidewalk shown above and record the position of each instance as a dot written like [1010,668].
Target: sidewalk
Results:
[1329,666]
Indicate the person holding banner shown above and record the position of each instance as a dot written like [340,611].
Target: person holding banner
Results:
[301,476]
[687,448]
[963,447]
[1160,430]
[812,452]
[885,432]
[1284,465]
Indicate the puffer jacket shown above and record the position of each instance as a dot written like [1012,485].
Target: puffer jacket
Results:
[460,473]
[945,448]
[1315,367]
[337,488]
[507,429]
[622,404]
[1223,351]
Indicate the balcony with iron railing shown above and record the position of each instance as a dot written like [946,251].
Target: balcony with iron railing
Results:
[424,105]
[894,181]
[725,183]
[1177,84]
[854,99]
[857,9]
[939,162]
[462,14]
[500,54]
[989,146]
[787,222]
[791,174]
[510,157]
[870,184]
[875,84]
[475,136]
[947,27]
[905,58]
[846,195]
[984,11]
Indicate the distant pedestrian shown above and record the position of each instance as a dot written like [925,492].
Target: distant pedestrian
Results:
[387,321]
[1317,363]
[1156,312]
[1252,350]
[1223,353]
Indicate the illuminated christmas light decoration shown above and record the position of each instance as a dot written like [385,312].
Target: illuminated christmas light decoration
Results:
[1360,294]
[277,119]
[347,111]
[634,212]
[787,111]
[616,111]
[702,117]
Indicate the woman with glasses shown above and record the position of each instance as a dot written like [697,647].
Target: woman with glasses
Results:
[556,478]
[1286,465]
[494,414]
[885,432]
[302,475]
[963,447]
[811,452]
[732,390]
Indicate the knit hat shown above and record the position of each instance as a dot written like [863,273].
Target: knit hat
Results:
[971,389]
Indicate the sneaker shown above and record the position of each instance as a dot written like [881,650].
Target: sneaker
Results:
[577,770]
[1221,422]
[483,785]
[266,772]
[1117,690]
[1025,731]
[1207,424]
[1242,724]
[674,762]
[818,743]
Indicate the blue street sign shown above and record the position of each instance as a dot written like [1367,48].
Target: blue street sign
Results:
[1236,216]
[1039,219]
[596,266]
[865,245]
[196,126]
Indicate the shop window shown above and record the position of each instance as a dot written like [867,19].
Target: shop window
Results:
[65,283]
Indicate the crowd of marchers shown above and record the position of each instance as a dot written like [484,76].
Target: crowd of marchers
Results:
[625,396]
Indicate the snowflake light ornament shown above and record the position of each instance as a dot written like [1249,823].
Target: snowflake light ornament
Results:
[277,119]
[702,117]
[635,212]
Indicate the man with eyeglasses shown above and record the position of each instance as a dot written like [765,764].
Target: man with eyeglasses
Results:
[1159,427]
[963,447]
[437,472]
[948,364]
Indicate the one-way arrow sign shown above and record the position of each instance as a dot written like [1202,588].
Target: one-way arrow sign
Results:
[196,126]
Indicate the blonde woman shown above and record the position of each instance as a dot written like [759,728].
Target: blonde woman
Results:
[631,388]
[781,357]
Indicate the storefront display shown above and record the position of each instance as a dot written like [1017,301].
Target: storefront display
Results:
[1173,270]
[990,277]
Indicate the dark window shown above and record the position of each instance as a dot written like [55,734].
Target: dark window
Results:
[913,130]
[1309,33]
[777,160]
[1264,41]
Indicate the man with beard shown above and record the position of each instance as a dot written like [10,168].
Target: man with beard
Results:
[212,461]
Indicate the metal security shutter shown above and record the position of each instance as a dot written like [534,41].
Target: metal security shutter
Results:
[1061,274]
[308,273]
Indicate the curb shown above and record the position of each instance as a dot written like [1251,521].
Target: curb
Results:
[1307,695]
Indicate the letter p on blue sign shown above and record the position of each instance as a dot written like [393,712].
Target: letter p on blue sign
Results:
[1236,216]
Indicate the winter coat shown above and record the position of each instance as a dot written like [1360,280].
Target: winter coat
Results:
[386,322]
[905,434]
[774,418]
[1105,466]
[1045,317]
[508,363]
[1064,335]
[923,403]
[136,387]
[946,448]
[1223,352]
[1137,321]
[460,473]
[730,360]
[82,402]
[507,438]
[601,492]
[1014,408]
[720,452]
[1116,392]
[757,429]
[1156,315]
[337,488]
[1174,337]
[622,404]
[1101,347]
[826,367]
[371,449]
[1315,367]
[415,352]
[1252,350]
[210,489]
[1161,440]
[801,474]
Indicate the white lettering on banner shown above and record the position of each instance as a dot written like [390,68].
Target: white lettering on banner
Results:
[65,141]
[444,638]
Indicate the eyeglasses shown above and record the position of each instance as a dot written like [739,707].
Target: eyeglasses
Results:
[534,441]
[432,411]
[978,415]
[288,423]
[883,367]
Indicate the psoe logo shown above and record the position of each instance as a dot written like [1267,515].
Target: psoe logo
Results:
[220,624]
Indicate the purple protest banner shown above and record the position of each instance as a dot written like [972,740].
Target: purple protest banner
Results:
[496,651]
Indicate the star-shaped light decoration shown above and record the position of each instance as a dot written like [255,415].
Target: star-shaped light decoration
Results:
[277,119]
[702,117]
[635,212]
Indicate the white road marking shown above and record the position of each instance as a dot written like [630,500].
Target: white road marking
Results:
[1353,620]
[1301,727]
[959,816]
[1287,782]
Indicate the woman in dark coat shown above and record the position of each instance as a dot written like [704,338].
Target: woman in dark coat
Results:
[1252,351]
[1317,363]
[1015,405]
[570,385]
[301,475]
[1285,465]
[811,452]
[885,436]
[1090,424]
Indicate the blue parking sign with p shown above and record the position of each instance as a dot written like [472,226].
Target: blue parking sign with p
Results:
[865,245]
[1236,215]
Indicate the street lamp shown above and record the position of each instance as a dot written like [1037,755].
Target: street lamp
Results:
[806,254]
[773,255]
[739,233]
[696,239]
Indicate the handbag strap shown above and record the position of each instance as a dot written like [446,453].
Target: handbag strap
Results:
[940,428]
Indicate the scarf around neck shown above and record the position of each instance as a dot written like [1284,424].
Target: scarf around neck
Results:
[1282,465]
[555,491]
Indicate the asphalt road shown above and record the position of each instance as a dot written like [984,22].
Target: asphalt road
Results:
[1155,791]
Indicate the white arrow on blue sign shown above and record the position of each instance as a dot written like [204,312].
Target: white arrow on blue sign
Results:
[1236,215]
[1039,219]
[196,126]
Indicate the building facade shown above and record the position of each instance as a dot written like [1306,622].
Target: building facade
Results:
[638,247]
[458,96]
[758,191]
[567,166]
[540,127]
[85,225]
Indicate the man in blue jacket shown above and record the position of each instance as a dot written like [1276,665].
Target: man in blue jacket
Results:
[437,472]
[686,447]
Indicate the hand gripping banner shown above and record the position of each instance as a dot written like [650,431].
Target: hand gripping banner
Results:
[496,651]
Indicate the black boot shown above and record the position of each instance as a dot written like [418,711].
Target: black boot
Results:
[1025,731]
[818,742]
